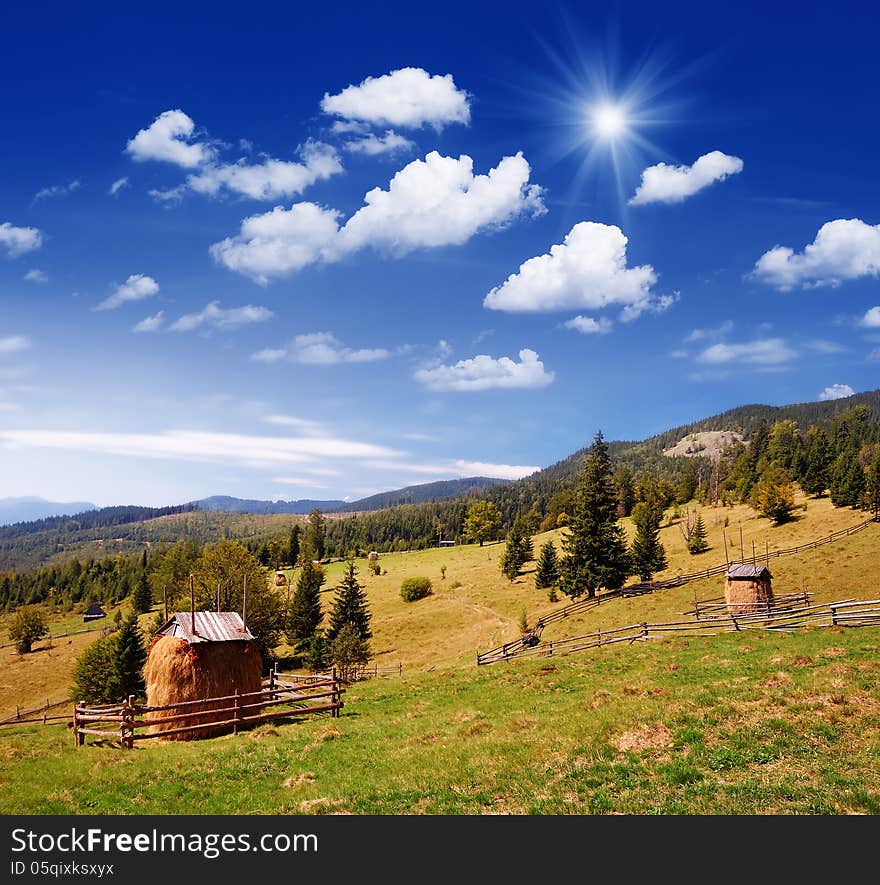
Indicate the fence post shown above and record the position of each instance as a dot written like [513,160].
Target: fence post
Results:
[235,712]
[645,629]
[76,741]
[833,615]
[272,682]
[335,697]
[126,726]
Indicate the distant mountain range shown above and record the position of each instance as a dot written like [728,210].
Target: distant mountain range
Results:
[418,494]
[27,509]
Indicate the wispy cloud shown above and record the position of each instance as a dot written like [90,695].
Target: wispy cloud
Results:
[212,316]
[118,185]
[761,352]
[58,190]
[589,326]
[14,344]
[36,276]
[150,324]
[458,468]
[320,349]
[303,425]
[19,240]
[298,481]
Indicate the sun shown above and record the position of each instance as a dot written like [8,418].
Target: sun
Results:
[609,120]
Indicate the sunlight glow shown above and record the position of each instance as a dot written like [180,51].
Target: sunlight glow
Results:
[609,120]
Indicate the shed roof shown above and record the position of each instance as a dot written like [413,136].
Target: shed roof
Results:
[747,570]
[94,611]
[210,627]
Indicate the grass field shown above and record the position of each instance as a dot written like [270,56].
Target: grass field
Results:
[727,724]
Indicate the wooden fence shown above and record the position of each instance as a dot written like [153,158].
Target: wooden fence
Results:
[533,636]
[40,715]
[718,607]
[845,613]
[292,696]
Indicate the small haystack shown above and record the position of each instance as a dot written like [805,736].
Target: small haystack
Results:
[749,589]
[210,661]
[280,579]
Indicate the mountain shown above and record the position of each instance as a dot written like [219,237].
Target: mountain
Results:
[227,504]
[27,509]
[418,494]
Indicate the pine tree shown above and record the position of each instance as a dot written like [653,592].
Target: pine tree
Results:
[305,607]
[317,653]
[594,545]
[293,545]
[129,657]
[872,484]
[519,550]
[316,534]
[847,479]
[547,574]
[142,597]
[647,553]
[697,542]
[350,606]
[814,480]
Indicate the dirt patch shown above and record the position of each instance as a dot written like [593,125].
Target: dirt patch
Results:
[646,737]
[304,777]
[320,806]
[802,661]
[474,729]
[328,734]
[777,680]
[600,698]
[834,652]
[547,668]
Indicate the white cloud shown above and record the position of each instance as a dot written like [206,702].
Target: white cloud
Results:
[444,348]
[118,185]
[150,324]
[185,445]
[499,471]
[589,326]
[36,276]
[486,373]
[408,97]
[874,355]
[58,190]
[215,317]
[320,349]
[14,344]
[270,355]
[844,249]
[458,468]
[135,288]
[827,347]
[836,391]
[270,180]
[303,425]
[372,145]
[168,138]
[19,240]
[433,202]
[588,270]
[871,319]
[298,481]
[672,184]
[762,352]
[703,334]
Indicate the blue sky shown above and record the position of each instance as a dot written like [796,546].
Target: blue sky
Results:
[325,253]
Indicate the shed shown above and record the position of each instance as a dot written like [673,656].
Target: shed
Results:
[94,612]
[196,656]
[749,588]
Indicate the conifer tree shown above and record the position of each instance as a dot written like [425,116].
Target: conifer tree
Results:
[142,597]
[594,545]
[872,484]
[293,544]
[547,574]
[129,657]
[847,479]
[350,606]
[814,480]
[648,554]
[697,542]
[305,607]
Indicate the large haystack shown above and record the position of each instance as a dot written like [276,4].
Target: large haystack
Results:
[749,589]
[189,666]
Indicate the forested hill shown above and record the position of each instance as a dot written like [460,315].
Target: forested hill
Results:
[418,494]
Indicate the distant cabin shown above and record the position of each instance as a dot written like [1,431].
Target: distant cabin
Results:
[280,579]
[94,612]
[749,588]
[447,544]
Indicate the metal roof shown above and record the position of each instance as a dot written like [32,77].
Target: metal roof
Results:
[210,627]
[747,570]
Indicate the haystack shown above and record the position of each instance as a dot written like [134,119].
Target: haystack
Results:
[210,661]
[749,589]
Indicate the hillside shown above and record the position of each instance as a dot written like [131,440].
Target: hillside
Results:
[740,723]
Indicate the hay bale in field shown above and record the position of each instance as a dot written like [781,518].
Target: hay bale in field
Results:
[749,589]
[210,661]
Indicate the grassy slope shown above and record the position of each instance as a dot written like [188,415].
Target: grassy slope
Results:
[732,723]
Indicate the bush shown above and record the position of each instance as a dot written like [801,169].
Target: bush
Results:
[374,567]
[415,588]
[455,585]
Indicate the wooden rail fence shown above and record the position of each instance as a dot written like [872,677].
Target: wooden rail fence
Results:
[291,694]
[40,715]
[533,636]
[844,613]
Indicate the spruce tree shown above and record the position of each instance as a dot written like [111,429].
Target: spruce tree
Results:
[872,484]
[547,574]
[317,653]
[648,554]
[142,597]
[847,479]
[293,545]
[519,550]
[594,545]
[316,533]
[814,480]
[350,606]
[697,542]
[129,657]
[305,612]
